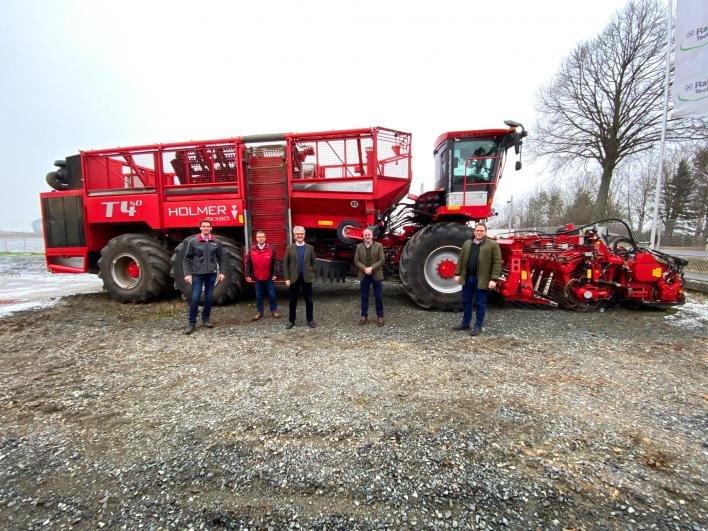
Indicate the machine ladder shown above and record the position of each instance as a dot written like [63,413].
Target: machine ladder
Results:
[268,207]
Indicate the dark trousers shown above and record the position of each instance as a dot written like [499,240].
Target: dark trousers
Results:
[471,294]
[293,295]
[199,282]
[364,284]
[263,286]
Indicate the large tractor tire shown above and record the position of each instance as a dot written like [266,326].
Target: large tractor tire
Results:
[233,286]
[135,268]
[427,266]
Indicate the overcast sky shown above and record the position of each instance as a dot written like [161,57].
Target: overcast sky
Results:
[92,74]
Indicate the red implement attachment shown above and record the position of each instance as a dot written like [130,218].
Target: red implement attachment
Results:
[582,270]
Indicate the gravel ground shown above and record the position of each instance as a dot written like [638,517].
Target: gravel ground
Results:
[550,419]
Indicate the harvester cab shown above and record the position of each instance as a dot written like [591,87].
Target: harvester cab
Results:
[468,166]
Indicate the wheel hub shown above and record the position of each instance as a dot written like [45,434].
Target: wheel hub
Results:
[439,269]
[446,268]
[126,271]
[133,270]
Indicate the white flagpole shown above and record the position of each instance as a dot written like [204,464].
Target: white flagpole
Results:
[657,194]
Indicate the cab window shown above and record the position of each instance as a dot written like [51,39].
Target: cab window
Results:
[474,159]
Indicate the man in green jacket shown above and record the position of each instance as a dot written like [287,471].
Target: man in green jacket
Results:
[477,270]
[369,261]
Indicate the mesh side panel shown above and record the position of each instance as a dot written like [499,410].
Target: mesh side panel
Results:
[214,164]
[353,155]
[202,164]
[339,158]
[394,153]
[125,171]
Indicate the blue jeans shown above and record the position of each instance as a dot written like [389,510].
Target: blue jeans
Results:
[207,282]
[366,281]
[470,295]
[261,287]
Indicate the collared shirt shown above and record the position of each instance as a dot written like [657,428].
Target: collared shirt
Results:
[203,239]
[261,246]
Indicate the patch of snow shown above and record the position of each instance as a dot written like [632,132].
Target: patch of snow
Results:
[691,315]
[26,284]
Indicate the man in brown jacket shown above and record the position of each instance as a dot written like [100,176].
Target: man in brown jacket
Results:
[299,266]
[369,261]
[478,270]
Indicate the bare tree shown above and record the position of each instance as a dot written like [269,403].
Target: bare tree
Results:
[606,101]
[635,188]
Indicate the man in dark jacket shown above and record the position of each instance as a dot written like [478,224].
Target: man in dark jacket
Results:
[478,270]
[203,268]
[299,265]
[260,268]
[369,260]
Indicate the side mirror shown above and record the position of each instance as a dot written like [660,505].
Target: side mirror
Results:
[516,137]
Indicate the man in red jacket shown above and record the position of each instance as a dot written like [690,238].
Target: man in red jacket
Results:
[260,268]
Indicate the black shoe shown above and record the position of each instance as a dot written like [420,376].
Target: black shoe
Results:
[476,331]
[311,324]
[189,329]
[461,327]
[207,324]
[289,325]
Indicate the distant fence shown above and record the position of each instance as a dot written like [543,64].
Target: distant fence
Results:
[692,246]
[19,244]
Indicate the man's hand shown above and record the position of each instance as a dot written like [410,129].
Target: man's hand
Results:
[220,278]
[287,283]
[492,284]
[368,270]
[188,279]
[275,277]
[457,278]
[249,279]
